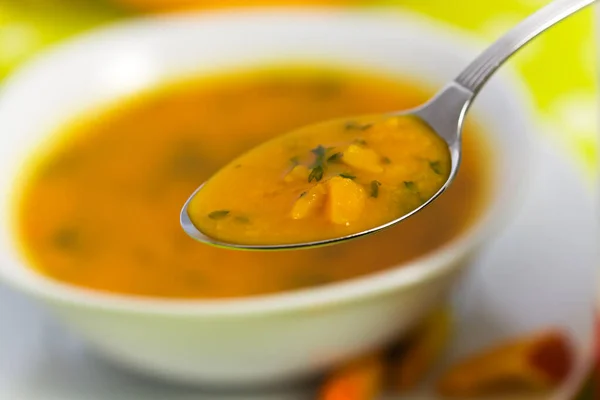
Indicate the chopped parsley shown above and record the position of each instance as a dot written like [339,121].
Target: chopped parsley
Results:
[316,174]
[319,152]
[375,188]
[218,214]
[410,185]
[318,167]
[335,157]
[436,166]
[356,126]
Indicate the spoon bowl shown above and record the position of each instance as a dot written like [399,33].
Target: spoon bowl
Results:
[447,125]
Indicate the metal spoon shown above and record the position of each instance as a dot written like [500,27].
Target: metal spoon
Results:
[445,113]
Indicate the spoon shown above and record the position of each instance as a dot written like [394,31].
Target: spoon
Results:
[444,115]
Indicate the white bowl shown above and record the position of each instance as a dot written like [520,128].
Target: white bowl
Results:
[267,339]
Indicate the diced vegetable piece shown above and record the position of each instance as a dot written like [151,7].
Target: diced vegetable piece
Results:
[361,379]
[310,202]
[537,363]
[394,122]
[298,173]
[401,367]
[346,200]
[362,158]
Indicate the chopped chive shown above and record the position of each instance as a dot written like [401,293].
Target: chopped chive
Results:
[316,174]
[386,160]
[362,142]
[319,152]
[375,188]
[318,168]
[303,194]
[436,166]
[219,214]
[335,157]
[295,160]
[347,175]
[356,126]
[410,185]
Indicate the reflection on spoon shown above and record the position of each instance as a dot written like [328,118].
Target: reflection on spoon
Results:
[343,179]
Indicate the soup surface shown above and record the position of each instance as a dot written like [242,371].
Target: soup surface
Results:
[322,181]
[100,208]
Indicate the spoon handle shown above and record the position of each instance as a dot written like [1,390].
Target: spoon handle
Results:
[483,67]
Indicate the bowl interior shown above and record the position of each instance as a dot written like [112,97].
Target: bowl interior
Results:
[118,61]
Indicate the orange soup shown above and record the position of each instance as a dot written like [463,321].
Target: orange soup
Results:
[323,181]
[100,207]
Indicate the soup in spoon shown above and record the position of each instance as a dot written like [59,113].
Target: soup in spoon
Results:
[324,181]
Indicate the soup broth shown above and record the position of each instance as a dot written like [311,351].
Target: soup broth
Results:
[324,181]
[99,209]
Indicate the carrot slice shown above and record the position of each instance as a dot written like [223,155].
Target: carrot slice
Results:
[361,379]
[402,367]
[536,363]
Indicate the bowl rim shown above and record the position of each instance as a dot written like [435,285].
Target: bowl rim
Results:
[410,274]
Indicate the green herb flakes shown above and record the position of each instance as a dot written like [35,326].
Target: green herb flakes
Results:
[436,166]
[410,185]
[316,174]
[319,152]
[356,126]
[375,188]
[335,157]
[219,214]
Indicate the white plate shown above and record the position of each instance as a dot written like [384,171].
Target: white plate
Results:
[539,272]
